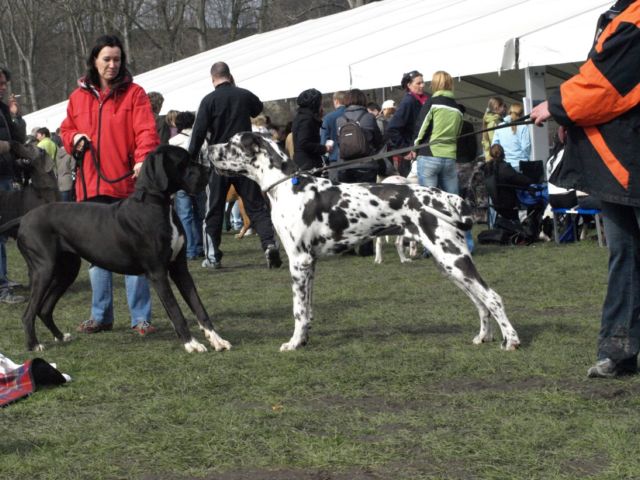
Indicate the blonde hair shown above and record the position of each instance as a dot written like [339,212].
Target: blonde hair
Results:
[441,80]
[170,118]
[516,110]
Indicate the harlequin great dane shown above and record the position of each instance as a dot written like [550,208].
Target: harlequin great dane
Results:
[139,235]
[315,217]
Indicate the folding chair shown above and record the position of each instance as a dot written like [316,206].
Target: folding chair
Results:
[565,224]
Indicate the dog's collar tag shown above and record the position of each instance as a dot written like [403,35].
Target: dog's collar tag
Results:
[295,180]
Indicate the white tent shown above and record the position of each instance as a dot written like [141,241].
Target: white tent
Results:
[371,46]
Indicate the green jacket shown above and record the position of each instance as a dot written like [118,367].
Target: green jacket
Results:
[440,123]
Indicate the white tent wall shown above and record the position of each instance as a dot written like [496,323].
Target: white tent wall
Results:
[371,46]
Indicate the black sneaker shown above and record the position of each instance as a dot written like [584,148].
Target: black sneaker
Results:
[272,255]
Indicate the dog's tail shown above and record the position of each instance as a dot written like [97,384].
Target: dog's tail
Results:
[10,227]
[461,207]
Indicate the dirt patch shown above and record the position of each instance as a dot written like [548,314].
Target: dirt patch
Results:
[585,467]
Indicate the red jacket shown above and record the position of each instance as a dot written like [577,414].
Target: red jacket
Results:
[122,129]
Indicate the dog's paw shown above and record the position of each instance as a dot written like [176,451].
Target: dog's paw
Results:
[405,260]
[66,337]
[38,348]
[216,341]
[510,345]
[377,260]
[292,345]
[194,346]
[480,339]
[288,347]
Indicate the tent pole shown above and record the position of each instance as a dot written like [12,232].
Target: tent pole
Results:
[534,78]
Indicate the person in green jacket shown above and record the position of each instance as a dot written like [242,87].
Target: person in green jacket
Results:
[439,123]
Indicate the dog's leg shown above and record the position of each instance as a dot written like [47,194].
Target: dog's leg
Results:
[179,273]
[39,285]
[400,248]
[66,270]
[463,272]
[302,273]
[160,282]
[378,258]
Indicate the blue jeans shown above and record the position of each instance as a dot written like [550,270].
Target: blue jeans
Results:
[441,173]
[619,337]
[438,172]
[6,185]
[138,296]
[192,229]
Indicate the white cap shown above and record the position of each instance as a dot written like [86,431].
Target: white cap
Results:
[388,104]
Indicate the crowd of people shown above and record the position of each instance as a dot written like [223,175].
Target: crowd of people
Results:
[111,117]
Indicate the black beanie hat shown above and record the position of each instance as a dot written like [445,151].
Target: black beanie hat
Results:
[311,98]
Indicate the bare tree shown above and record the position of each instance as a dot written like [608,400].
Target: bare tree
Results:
[23,34]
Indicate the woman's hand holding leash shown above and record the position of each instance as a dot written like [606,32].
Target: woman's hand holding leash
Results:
[79,140]
[136,169]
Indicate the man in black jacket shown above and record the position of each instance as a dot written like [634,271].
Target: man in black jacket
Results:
[12,127]
[223,113]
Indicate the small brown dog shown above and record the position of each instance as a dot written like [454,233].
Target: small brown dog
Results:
[232,196]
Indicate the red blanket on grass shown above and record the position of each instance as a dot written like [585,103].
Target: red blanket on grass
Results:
[24,380]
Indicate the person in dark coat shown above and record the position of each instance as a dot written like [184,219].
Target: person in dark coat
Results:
[12,127]
[400,129]
[502,180]
[356,111]
[223,113]
[307,149]
[600,109]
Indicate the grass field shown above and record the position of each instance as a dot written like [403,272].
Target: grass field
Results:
[389,387]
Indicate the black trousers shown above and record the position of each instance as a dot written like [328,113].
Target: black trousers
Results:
[254,204]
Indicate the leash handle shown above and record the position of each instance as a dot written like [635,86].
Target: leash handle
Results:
[96,162]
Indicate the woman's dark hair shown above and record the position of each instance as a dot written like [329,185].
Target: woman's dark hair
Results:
[6,72]
[496,152]
[407,78]
[356,97]
[92,71]
[185,120]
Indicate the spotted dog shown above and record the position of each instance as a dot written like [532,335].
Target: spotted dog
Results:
[315,217]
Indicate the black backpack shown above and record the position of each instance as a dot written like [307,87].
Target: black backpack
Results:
[352,140]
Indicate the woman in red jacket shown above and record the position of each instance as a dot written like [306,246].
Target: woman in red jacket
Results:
[114,115]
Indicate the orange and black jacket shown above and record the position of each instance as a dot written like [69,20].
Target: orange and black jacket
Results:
[601,108]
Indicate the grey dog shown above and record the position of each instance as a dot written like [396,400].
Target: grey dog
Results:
[139,235]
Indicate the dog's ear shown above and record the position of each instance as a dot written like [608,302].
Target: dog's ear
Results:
[250,142]
[153,176]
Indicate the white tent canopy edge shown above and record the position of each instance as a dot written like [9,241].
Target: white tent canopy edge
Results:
[371,46]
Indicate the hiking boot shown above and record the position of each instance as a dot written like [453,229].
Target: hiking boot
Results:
[91,326]
[143,328]
[605,368]
[10,298]
[272,255]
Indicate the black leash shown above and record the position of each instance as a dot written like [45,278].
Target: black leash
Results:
[364,161]
[78,155]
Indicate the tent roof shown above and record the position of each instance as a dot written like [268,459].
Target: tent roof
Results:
[371,46]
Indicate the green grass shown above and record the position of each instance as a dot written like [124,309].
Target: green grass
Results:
[389,387]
